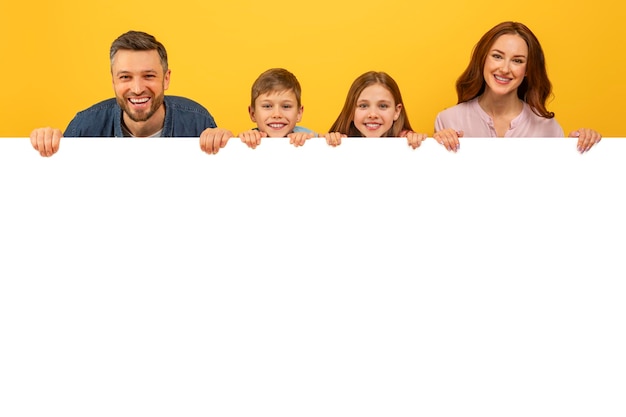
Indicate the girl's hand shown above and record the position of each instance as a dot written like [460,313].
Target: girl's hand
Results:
[334,138]
[413,139]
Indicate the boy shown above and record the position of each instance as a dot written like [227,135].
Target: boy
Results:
[275,107]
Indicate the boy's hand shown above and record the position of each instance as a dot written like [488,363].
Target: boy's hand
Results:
[213,139]
[46,140]
[252,137]
[449,138]
[299,138]
[334,138]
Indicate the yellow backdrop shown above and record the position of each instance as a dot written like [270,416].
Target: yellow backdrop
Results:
[55,55]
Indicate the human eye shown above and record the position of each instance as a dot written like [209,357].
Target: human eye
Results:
[518,61]
[287,106]
[384,106]
[362,106]
[266,106]
[496,56]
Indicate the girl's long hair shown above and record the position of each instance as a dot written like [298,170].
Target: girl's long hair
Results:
[345,122]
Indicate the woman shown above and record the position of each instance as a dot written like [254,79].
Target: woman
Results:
[503,93]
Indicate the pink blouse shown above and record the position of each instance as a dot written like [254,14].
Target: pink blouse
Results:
[475,122]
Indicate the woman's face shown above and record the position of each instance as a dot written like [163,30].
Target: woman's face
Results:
[505,66]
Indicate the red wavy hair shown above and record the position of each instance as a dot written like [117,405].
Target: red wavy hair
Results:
[536,87]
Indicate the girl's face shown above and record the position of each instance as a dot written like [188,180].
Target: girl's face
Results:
[375,111]
[505,66]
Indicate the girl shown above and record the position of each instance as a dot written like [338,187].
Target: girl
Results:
[503,93]
[373,109]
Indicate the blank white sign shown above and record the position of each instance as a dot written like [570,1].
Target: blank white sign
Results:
[144,277]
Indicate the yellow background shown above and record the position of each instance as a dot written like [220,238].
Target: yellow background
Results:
[55,54]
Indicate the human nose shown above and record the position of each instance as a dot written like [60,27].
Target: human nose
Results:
[136,86]
[276,113]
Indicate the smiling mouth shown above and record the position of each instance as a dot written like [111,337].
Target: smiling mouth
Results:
[372,126]
[277,126]
[502,79]
[139,101]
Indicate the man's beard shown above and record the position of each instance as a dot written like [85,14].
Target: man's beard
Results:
[142,116]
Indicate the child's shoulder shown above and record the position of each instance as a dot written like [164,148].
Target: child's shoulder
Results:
[299,129]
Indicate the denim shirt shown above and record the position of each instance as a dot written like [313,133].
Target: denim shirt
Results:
[183,118]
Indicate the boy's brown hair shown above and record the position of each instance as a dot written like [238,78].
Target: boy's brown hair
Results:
[276,79]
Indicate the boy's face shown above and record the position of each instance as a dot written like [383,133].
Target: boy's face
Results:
[276,113]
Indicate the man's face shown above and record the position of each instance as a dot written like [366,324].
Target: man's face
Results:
[139,83]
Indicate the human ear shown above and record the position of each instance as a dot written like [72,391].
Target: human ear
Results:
[251,112]
[299,117]
[398,110]
[166,79]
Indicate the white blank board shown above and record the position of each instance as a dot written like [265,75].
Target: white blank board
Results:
[144,277]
